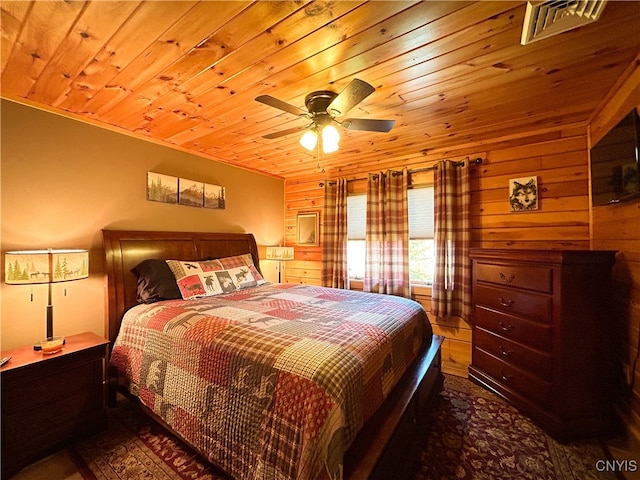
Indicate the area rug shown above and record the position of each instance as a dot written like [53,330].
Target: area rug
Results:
[476,435]
[473,435]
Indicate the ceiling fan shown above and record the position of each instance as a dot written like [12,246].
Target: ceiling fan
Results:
[324,107]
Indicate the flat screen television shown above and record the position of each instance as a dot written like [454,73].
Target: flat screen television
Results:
[615,163]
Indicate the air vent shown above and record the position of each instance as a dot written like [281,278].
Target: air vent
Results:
[545,18]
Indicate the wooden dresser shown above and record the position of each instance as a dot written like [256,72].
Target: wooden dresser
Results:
[541,335]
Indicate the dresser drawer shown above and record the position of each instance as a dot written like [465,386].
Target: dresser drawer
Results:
[25,396]
[532,334]
[514,301]
[529,277]
[62,419]
[536,362]
[514,378]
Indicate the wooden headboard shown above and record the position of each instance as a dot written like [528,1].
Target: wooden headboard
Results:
[124,249]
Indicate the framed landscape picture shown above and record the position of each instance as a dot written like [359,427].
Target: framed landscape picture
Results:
[214,196]
[162,188]
[191,193]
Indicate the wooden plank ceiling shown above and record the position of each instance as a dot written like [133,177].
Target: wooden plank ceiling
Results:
[186,74]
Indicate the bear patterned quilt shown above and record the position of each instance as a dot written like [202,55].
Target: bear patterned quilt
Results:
[273,381]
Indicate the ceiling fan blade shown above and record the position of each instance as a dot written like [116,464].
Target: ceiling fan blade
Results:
[348,98]
[368,124]
[284,133]
[274,102]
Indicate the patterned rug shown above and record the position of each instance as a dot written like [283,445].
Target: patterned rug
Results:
[474,435]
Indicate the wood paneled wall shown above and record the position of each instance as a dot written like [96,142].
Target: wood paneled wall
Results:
[617,227]
[558,157]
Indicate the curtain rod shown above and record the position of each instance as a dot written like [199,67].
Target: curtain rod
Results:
[475,161]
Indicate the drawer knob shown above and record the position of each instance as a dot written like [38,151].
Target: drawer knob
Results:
[505,352]
[507,279]
[507,378]
[505,303]
[505,328]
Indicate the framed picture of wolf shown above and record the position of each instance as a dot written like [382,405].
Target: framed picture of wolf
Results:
[523,194]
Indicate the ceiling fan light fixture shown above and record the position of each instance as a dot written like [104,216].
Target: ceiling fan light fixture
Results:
[329,147]
[330,135]
[309,140]
[323,108]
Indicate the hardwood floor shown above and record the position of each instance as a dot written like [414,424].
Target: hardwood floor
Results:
[54,467]
[626,449]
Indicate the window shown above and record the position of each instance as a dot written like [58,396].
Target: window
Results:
[356,221]
[421,245]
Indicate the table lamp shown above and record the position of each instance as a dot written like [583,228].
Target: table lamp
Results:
[28,267]
[281,254]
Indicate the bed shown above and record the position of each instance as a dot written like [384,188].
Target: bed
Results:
[271,380]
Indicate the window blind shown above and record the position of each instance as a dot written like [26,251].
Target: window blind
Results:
[356,216]
[420,202]
[420,213]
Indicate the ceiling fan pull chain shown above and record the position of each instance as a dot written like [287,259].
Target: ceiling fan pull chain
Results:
[318,153]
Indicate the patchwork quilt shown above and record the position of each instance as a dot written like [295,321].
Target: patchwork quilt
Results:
[274,381]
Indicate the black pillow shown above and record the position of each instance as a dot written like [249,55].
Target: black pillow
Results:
[156,282]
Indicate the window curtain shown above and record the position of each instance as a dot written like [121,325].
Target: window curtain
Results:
[387,234]
[451,293]
[334,235]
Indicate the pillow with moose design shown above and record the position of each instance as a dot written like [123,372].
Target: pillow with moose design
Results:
[207,278]
[242,280]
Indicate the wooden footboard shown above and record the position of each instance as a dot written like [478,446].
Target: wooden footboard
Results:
[387,445]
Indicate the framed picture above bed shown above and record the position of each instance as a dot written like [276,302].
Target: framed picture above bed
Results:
[308,229]
[214,196]
[162,188]
[190,193]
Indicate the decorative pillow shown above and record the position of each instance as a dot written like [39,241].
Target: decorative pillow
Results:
[240,260]
[156,282]
[236,261]
[228,263]
[207,278]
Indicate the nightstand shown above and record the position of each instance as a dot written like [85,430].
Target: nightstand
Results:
[50,399]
